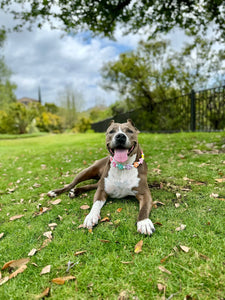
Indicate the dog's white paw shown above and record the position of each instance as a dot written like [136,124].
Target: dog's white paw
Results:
[91,220]
[72,193]
[145,226]
[51,194]
[94,215]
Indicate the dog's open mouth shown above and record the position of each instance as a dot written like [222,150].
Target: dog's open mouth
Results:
[121,154]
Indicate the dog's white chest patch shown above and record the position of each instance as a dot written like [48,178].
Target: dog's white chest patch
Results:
[120,183]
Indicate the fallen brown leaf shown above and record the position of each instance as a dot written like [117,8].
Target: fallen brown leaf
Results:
[138,247]
[220,180]
[104,241]
[119,209]
[85,206]
[55,202]
[4,280]
[48,234]
[45,243]
[16,217]
[18,271]
[44,294]
[106,219]
[16,263]
[166,257]
[32,252]
[203,256]
[46,270]
[157,203]
[62,280]
[185,249]
[161,287]
[162,269]
[52,225]
[80,252]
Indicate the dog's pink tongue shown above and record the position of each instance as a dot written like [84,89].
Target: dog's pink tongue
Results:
[120,155]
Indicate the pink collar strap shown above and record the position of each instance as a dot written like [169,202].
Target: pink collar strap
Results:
[120,166]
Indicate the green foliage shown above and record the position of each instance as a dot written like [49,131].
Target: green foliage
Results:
[48,122]
[152,77]
[19,119]
[101,17]
[82,125]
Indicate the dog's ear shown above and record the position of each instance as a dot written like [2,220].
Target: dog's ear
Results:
[132,123]
[111,122]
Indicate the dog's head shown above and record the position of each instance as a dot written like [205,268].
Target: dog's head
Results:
[121,140]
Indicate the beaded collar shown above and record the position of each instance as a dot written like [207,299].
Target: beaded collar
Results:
[120,166]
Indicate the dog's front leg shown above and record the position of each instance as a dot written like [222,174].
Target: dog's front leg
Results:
[144,224]
[99,200]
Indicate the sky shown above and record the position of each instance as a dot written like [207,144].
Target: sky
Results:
[53,61]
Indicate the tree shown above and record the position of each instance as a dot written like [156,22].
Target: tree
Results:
[7,88]
[155,72]
[71,102]
[101,17]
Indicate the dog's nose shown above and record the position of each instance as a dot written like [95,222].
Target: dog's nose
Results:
[121,138]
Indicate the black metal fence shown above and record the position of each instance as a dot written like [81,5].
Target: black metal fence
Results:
[197,111]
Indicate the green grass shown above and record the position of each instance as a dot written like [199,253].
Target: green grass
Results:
[53,161]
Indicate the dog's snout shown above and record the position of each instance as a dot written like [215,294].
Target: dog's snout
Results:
[121,138]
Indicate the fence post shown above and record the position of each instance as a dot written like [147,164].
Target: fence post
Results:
[193,111]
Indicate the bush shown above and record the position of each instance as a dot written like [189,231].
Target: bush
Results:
[83,125]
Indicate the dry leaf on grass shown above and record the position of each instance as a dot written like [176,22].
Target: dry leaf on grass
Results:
[44,294]
[52,225]
[119,209]
[41,211]
[16,217]
[181,227]
[106,219]
[185,249]
[16,263]
[220,180]
[162,269]
[138,247]
[46,270]
[1,235]
[127,262]
[62,280]
[161,287]
[18,271]
[166,257]
[55,202]
[48,234]
[85,206]
[80,252]
[32,252]
[104,241]
[45,243]
[4,280]
[158,203]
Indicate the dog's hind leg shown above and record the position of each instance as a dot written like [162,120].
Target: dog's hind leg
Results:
[77,191]
[93,172]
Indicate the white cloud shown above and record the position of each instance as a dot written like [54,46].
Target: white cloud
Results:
[44,58]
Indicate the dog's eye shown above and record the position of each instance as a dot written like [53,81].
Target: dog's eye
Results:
[130,131]
[112,131]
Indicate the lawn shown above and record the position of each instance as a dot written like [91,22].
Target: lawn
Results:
[183,259]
